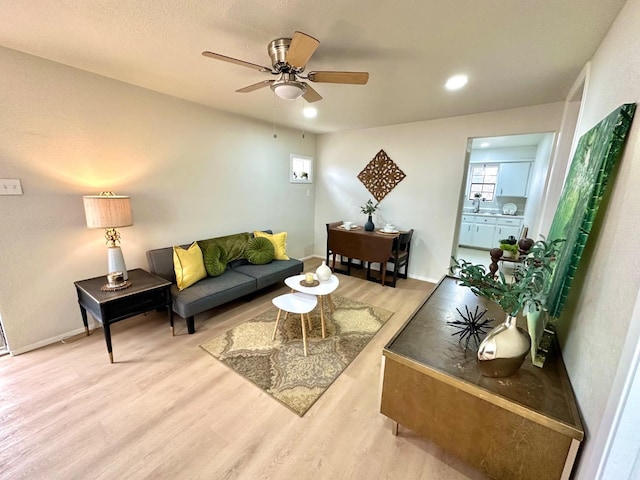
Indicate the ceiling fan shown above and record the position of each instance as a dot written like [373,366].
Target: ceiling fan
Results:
[289,57]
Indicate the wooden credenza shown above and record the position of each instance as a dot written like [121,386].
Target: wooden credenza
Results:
[525,426]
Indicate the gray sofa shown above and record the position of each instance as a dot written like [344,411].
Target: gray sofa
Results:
[239,279]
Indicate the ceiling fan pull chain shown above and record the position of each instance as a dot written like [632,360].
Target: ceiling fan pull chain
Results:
[275,133]
[302,103]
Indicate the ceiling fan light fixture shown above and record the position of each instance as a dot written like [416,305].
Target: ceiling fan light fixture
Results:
[288,91]
[288,87]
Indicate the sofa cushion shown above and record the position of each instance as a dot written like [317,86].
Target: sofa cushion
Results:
[271,273]
[233,245]
[188,265]
[215,260]
[211,292]
[279,241]
[259,251]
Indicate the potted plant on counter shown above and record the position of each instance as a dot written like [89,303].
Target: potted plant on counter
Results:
[509,250]
[369,208]
[505,347]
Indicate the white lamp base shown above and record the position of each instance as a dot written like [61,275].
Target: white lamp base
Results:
[115,261]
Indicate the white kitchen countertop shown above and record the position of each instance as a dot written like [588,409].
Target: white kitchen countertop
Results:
[490,214]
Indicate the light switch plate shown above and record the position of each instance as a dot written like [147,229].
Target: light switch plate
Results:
[10,186]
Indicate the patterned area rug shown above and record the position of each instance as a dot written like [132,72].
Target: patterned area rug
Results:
[280,368]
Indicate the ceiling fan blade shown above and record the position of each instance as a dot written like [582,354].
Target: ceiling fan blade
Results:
[310,95]
[255,86]
[355,78]
[301,48]
[242,63]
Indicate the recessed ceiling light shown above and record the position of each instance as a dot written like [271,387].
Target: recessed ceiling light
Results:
[456,82]
[484,144]
[310,112]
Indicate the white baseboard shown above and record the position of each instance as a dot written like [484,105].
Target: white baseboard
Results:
[44,343]
[415,277]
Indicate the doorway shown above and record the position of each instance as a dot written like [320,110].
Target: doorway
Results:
[502,191]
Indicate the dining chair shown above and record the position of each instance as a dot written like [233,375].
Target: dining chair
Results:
[399,258]
[330,225]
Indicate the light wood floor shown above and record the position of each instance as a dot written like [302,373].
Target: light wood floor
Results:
[167,409]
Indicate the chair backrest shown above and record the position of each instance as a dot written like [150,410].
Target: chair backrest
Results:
[404,241]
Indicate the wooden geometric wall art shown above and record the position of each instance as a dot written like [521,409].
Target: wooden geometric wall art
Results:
[381,175]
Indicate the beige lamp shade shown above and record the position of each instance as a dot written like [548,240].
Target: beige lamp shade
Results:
[108,211]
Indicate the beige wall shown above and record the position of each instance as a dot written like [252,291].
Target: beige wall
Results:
[195,172]
[595,326]
[432,155]
[192,173]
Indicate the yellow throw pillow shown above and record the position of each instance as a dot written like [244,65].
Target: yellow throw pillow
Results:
[188,265]
[279,241]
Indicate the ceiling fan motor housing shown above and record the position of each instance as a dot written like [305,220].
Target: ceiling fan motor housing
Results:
[277,50]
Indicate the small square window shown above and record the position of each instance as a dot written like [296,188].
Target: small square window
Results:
[301,170]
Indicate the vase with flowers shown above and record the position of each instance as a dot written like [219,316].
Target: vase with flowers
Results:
[504,349]
[369,208]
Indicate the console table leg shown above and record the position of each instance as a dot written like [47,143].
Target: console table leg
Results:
[394,428]
[107,337]
[83,312]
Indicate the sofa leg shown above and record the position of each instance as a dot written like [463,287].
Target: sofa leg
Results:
[191,325]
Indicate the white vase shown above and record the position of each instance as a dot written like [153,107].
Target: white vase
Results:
[503,350]
[323,272]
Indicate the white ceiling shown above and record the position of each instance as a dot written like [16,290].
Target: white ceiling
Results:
[516,52]
[506,141]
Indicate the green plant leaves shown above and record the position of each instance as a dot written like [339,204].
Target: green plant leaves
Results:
[527,287]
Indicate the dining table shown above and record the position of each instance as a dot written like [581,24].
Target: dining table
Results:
[357,243]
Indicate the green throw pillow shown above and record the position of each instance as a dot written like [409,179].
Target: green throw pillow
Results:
[215,260]
[233,245]
[259,251]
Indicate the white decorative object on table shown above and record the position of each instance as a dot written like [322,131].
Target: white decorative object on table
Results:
[323,272]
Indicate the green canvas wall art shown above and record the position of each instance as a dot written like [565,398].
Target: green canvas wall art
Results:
[597,152]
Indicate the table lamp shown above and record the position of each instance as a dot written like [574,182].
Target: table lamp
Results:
[110,211]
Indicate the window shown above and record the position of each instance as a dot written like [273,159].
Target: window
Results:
[301,169]
[483,181]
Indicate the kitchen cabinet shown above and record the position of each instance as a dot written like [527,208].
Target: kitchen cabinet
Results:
[486,231]
[477,230]
[506,227]
[483,236]
[466,230]
[513,179]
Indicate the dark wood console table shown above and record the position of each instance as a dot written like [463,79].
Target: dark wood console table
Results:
[147,292]
[525,426]
[367,246]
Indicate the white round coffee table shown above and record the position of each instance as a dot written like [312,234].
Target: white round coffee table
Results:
[321,290]
[295,303]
